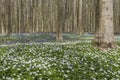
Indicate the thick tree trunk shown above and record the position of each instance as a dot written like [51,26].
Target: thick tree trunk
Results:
[104,37]
[60,17]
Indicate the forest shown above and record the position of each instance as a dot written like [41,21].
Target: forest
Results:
[59,39]
[31,16]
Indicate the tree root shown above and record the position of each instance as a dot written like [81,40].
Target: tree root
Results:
[104,46]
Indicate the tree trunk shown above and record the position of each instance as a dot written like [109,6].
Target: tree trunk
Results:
[60,18]
[9,29]
[104,37]
[80,27]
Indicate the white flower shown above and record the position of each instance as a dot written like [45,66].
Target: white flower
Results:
[65,75]
[49,73]
[92,68]
[118,72]
[116,65]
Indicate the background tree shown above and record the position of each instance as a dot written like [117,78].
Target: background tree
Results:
[9,29]
[60,11]
[31,16]
[80,27]
[104,37]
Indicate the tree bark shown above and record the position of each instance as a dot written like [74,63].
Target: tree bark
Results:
[9,29]
[80,27]
[104,37]
[60,18]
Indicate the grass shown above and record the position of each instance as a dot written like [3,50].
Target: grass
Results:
[79,61]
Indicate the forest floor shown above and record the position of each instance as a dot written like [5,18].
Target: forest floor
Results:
[46,38]
[42,38]
[39,57]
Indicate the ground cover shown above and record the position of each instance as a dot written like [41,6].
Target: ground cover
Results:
[78,61]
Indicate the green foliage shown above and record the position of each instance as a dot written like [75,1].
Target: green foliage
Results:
[58,62]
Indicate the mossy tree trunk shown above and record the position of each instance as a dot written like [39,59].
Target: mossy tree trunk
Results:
[104,37]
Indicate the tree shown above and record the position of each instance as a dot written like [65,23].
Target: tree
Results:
[9,29]
[104,37]
[60,11]
[78,5]
[80,27]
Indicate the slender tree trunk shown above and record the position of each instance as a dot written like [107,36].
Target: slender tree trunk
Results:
[9,29]
[80,27]
[60,17]
[104,37]
[75,15]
